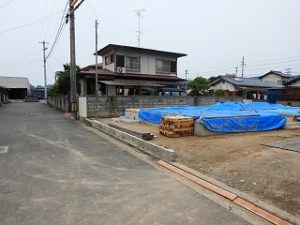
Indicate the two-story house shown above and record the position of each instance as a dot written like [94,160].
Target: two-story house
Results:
[276,77]
[127,70]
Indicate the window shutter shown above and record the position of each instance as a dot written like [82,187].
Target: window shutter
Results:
[173,66]
[120,61]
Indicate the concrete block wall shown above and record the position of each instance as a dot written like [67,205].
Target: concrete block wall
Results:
[112,106]
[209,100]
[60,102]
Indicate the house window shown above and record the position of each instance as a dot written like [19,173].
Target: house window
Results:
[163,66]
[166,66]
[133,63]
[109,59]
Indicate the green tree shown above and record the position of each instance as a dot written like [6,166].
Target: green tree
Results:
[62,84]
[198,86]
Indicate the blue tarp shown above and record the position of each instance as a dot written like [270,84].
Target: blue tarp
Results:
[154,115]
[228,116]
[227,122]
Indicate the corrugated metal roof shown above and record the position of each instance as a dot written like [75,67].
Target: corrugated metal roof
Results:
[14,82]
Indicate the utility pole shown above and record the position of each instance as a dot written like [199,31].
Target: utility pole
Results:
[243,64]
[236,70]
[139,31]
[45,71]
[186,76]
[73,91]
[96,65]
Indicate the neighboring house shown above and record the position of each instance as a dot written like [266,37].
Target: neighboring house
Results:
[130,70]
[294,82]
[276,77]
[249,88]
[290,93]
[17,87]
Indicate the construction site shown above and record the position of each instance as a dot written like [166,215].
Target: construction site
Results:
[252,147]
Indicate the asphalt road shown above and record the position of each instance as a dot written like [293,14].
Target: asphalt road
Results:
[58,172]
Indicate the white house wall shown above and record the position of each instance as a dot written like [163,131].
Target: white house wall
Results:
[296,84]
[110,67]
[147,61]
[223,86]
[271,78]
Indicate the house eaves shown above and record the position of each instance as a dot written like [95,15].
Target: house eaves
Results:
[112,47]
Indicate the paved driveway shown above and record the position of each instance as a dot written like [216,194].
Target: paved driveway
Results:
[58,172]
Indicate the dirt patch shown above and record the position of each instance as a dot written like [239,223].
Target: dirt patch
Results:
[242,162]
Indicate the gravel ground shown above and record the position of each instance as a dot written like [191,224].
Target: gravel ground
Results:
[242,162]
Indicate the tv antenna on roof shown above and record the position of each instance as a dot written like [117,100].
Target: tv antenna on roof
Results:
[139,31]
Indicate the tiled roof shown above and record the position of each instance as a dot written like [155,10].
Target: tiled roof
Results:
[14,82]
[247,82]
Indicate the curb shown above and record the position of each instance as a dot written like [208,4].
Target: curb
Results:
[145,146]
[227,194]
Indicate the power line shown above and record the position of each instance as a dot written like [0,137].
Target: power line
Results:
[92,9]
[266,67]
[14,60]
[274,59]
[60,29]
[259,65]
[29,24]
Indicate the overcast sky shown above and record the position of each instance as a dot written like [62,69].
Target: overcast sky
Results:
[215,34]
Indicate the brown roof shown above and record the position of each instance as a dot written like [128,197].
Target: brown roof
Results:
[92,67]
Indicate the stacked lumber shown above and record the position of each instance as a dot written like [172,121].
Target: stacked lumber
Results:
[176,126]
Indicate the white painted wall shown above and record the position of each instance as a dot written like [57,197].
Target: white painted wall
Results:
[82,86]
[223,86]
[111,66]
[82,108]
[271,78]
[148,62]
[296,84]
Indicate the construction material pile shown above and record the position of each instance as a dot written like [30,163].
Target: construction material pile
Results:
[176,126]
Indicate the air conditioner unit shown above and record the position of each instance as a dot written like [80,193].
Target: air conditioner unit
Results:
[121,70]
